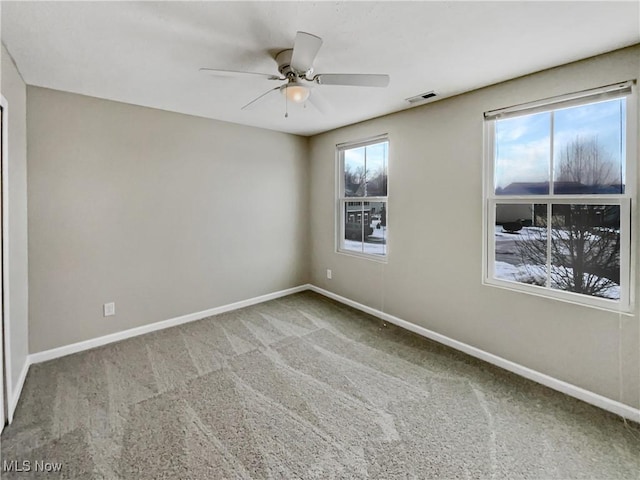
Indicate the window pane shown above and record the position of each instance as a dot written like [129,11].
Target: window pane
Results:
[585,249]
[365,170]
[589,148]
[521,243]
[354,226]
[522,155]
[376,242]
[376,169]
[354,172]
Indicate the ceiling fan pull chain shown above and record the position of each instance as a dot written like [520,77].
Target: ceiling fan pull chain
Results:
[286,107]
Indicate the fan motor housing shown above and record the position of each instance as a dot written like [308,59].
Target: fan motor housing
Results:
[283,59]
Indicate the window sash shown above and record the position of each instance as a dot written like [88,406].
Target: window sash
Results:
[341,228]
[629,167]
[625,302]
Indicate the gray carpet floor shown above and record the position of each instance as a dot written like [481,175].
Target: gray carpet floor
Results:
[303,387]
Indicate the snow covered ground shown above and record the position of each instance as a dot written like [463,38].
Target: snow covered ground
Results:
[375,244]
[509,266]
[518,273]
[536,275]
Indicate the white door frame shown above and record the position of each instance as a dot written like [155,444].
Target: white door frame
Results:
[8,381]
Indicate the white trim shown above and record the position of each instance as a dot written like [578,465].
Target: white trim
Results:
[13,401]
[152,327]
[630,186]
[2,381]
[367,256]
[5,260]
[605,403]
[606,305]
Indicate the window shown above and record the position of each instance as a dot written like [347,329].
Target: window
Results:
[558,193]
[362,197]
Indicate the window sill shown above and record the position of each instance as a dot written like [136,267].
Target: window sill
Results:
[610,306]
[364,256]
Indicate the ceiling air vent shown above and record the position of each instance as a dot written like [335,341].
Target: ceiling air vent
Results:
[422,97]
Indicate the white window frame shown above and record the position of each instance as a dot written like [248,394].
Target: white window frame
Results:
[626,201]
[341,199]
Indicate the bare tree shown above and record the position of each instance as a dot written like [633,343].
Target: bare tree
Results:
[377,183]
[585,239]
[531,247]
[585,255]
[584,161]
[354,180]
[361,182]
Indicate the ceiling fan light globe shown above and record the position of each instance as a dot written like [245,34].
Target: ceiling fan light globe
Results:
[296,93]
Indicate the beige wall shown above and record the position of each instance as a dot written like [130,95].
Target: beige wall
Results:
[15,92]
[162,213]
[434,270]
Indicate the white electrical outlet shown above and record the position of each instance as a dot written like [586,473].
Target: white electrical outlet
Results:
[109,309]
[329,274]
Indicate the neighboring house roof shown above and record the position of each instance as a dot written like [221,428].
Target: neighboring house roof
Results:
[562,188]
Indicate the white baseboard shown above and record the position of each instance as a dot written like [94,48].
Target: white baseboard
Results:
[152,327]
[15,394]
[605,403]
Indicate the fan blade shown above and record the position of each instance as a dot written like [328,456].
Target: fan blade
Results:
[305,49]
[236,74]
[318,101]
[252,102]
[352,79]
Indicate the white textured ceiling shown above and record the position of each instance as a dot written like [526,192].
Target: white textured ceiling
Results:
[149,53]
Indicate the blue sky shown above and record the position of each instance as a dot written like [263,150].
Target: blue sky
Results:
[523,148]
[376,158]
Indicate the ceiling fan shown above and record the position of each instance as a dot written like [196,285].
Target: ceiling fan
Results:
[296,68]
